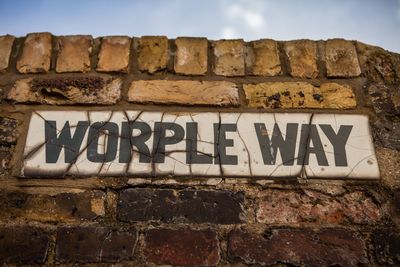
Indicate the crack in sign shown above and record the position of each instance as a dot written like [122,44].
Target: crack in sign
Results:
[212,144]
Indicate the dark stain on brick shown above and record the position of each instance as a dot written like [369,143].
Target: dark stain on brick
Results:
[95,244]
[318,97]
[89,85]
[167,205]
[23,245]
[387,246]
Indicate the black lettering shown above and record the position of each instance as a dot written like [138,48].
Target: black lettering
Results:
[110,129]
[221,143]
[161,140]
[192,157]
[338,141]
[309,133]
[70,144]
[269,147]
[128,142]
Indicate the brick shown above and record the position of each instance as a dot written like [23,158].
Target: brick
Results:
[95,244]
[376,63]
[182,247]
[167,205]
[114,54]
[341,59]
[302,56]
[211,93]
[395,203]
[62,207]
[36,53]
[74,53]
[153,53]
[229,58]
[23,245]
[100,90]
[8,131]
[307,206]
[263,58]
[304,247]
[389,165]
[385,102]
[387,246]
[299,95]
[5,158]
[191,56]
[6,43]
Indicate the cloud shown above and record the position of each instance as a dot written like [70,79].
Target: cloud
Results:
[242,18]
[252,18]
[229,33]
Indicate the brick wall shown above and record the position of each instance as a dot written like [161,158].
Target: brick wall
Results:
[197,221]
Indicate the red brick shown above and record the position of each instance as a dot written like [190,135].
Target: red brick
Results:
[23,244]
[167,205]
[306,247]
[307,206]
[183,247]
[95,244]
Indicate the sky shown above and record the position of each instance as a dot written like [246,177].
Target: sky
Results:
[375,22]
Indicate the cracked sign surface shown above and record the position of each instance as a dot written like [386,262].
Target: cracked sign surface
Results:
[142,143]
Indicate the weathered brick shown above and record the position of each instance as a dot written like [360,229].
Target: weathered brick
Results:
[395,203]
[6,43]
[8,131]
[376,63]
[306,206]
[114,54]
[95,244]
[387,246]
[74,53]
[153,53]
[211,93]
[229,57]
[191,56]
[384,99]
[23,245]
[182,247]
[5,158]
[341,59]
[36,53]
[62,207]
[100,90]
[263,58]
[389,165]
[167,205]
[302,55]
[327,247]
[299,95]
